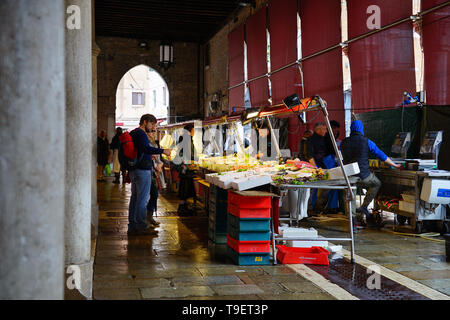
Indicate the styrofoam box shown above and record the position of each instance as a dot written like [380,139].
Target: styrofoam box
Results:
[250,182]
[350,169]
[209,177]
[407,206]
[306,244]
[436,191]
[290,232]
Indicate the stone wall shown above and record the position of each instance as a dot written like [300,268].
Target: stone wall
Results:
[118,55]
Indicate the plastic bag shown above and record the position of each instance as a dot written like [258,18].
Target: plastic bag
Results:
[108,170]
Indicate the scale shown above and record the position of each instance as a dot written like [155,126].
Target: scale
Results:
[428,155]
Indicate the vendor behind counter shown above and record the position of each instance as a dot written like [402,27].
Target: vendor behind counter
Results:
[356,148]
[186,188]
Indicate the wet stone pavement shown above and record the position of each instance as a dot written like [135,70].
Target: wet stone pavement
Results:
[180,262]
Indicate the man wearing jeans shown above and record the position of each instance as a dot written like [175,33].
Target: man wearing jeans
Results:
[356,148]
[141,176]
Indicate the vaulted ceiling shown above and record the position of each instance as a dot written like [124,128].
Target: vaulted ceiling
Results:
[177,20]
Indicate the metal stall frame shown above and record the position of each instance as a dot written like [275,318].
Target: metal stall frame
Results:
[331,185]
[310,104]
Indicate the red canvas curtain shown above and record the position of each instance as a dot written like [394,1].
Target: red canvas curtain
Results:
[236,67]
[256,39]
[436,47]
[283,51]
[322,74]
[381,65]
[283,48]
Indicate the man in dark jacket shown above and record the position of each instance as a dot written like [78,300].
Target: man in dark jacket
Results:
[102,155]
[356,148]
[316,148]
[141,176]
[302,152]
[114,146]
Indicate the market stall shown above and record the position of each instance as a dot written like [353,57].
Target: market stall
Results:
[241,171]
[420,192]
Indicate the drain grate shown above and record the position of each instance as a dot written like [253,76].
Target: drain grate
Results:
[354,277]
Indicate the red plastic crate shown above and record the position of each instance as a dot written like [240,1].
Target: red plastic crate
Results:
[248,246]
[249,202]
[248,213]
[291,255]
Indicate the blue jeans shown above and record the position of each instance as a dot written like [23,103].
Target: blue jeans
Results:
[140,193]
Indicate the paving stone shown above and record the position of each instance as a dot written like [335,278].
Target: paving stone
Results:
[241,297]
[219,280]
[132,283]
[176,292]
[122,294]
[230,270]
[301,287]
[267,278]
[228,290]
[426,275]
[277,269]
[298,296]
[436,283]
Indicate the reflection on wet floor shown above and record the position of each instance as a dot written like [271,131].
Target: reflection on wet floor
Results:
[180,262]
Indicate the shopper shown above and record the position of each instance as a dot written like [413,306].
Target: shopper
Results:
[158,164]
[140,176]
[356,148]
[102,155]
[302,152]
[114,146]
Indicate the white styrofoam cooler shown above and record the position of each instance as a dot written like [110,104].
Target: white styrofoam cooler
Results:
[250,182]
[436,191]
[350,169]
[289,232]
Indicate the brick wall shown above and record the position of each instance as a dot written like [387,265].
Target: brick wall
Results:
[216,74]
[118,55]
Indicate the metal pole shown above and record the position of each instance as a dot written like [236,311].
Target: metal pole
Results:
[349,196]
[352,247]
[233,125]
[274,139]
[336,149]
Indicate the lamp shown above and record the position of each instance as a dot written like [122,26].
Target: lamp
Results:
[293,101]
[166,54]
[248,115]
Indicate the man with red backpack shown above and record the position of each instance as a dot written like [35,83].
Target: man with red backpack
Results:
[136,156]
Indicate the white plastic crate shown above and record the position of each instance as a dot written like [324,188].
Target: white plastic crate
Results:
[350,169]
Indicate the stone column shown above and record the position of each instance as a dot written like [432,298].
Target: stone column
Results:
[32,152]
[95,54]
[78,53]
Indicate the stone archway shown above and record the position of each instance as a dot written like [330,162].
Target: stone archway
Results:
[141,90]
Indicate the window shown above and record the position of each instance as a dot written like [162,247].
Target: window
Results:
[154,98]
[138,99]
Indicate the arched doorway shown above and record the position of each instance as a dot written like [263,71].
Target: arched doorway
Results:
[141,90]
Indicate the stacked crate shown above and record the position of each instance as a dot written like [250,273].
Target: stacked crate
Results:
[248,230]
[218,200]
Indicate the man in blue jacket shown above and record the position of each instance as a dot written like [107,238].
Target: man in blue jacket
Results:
[141,177]
[356,148]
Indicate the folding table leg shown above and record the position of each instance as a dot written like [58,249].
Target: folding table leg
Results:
[352,247]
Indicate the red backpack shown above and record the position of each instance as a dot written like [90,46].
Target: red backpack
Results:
[128,154]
